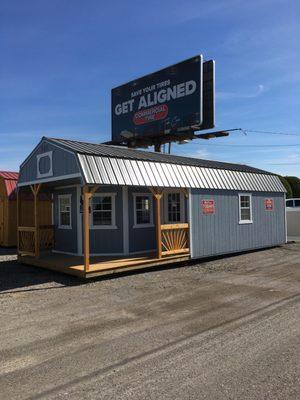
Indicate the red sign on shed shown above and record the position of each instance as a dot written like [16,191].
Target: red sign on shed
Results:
[269,206]
[208,206]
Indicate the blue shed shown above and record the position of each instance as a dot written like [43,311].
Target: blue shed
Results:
[115,208]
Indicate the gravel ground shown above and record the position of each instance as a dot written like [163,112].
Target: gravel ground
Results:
[222,329]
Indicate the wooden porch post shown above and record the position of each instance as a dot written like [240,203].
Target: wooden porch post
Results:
[35,190]
[158,225]
[87,195]
[86,229]
[158,195]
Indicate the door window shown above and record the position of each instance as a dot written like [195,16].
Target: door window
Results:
[174,207]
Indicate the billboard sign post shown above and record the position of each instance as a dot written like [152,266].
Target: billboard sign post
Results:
[165,102]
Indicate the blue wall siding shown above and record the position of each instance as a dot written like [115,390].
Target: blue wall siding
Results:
[65,239]
[106,241]
[140,239]
[221,233]
[64,163]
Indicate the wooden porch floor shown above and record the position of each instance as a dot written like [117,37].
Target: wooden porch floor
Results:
[73,265]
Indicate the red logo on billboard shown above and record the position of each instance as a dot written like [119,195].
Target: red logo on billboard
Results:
[150,114]
[208,206]
[269,204]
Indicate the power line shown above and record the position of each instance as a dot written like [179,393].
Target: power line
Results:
[284,164]
[248,145]
[269,133]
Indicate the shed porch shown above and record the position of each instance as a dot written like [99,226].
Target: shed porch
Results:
[36,243]
[98,266]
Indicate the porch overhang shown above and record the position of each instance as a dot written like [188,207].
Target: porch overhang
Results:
[129,172]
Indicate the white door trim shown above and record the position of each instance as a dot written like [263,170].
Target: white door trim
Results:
[125,220]
[79,221]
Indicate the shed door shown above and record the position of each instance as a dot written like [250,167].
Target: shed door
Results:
[173,207]
[1,220]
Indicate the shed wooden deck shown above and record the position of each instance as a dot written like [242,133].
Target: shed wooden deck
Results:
[74,265]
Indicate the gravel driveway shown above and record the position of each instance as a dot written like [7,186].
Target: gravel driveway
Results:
[221,329]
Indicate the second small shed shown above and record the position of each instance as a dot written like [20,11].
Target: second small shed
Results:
[8,207]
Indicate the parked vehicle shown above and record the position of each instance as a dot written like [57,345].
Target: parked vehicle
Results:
[293,218]
[293,203]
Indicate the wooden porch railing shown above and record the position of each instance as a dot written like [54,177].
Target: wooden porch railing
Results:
[174,239]
[26,240]
[28,235]
[46,237]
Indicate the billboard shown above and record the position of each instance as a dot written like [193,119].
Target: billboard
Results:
[208,121]
[166,101]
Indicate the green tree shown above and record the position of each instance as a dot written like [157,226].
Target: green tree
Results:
[295,185]
[288,188]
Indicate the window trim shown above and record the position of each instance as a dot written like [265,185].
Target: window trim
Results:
[38,159]
[59,197]
[135,224]
[113,211]
[245,221]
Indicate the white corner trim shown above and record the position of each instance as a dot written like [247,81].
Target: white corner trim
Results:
[190,219]
[38,159]
[125,220]
[285,218]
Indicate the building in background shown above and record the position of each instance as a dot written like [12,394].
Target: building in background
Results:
[8,207]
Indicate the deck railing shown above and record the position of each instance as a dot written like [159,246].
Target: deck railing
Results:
[27,236]
[26,240]
[46,237]
[175,238]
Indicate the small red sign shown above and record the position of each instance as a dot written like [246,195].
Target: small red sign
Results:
[269,206]
[208,206]
[150,114]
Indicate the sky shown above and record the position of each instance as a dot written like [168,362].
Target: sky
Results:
[60,59]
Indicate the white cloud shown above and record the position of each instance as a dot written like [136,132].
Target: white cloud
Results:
[194,153]
[260,89]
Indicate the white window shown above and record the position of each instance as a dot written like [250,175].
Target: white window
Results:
[293,203]
[143,215]
[245,208]
[64,211]
[103,214]
[44,165]
[173,207]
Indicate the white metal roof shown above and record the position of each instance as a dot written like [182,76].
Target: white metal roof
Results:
[120,171]
[111,165]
